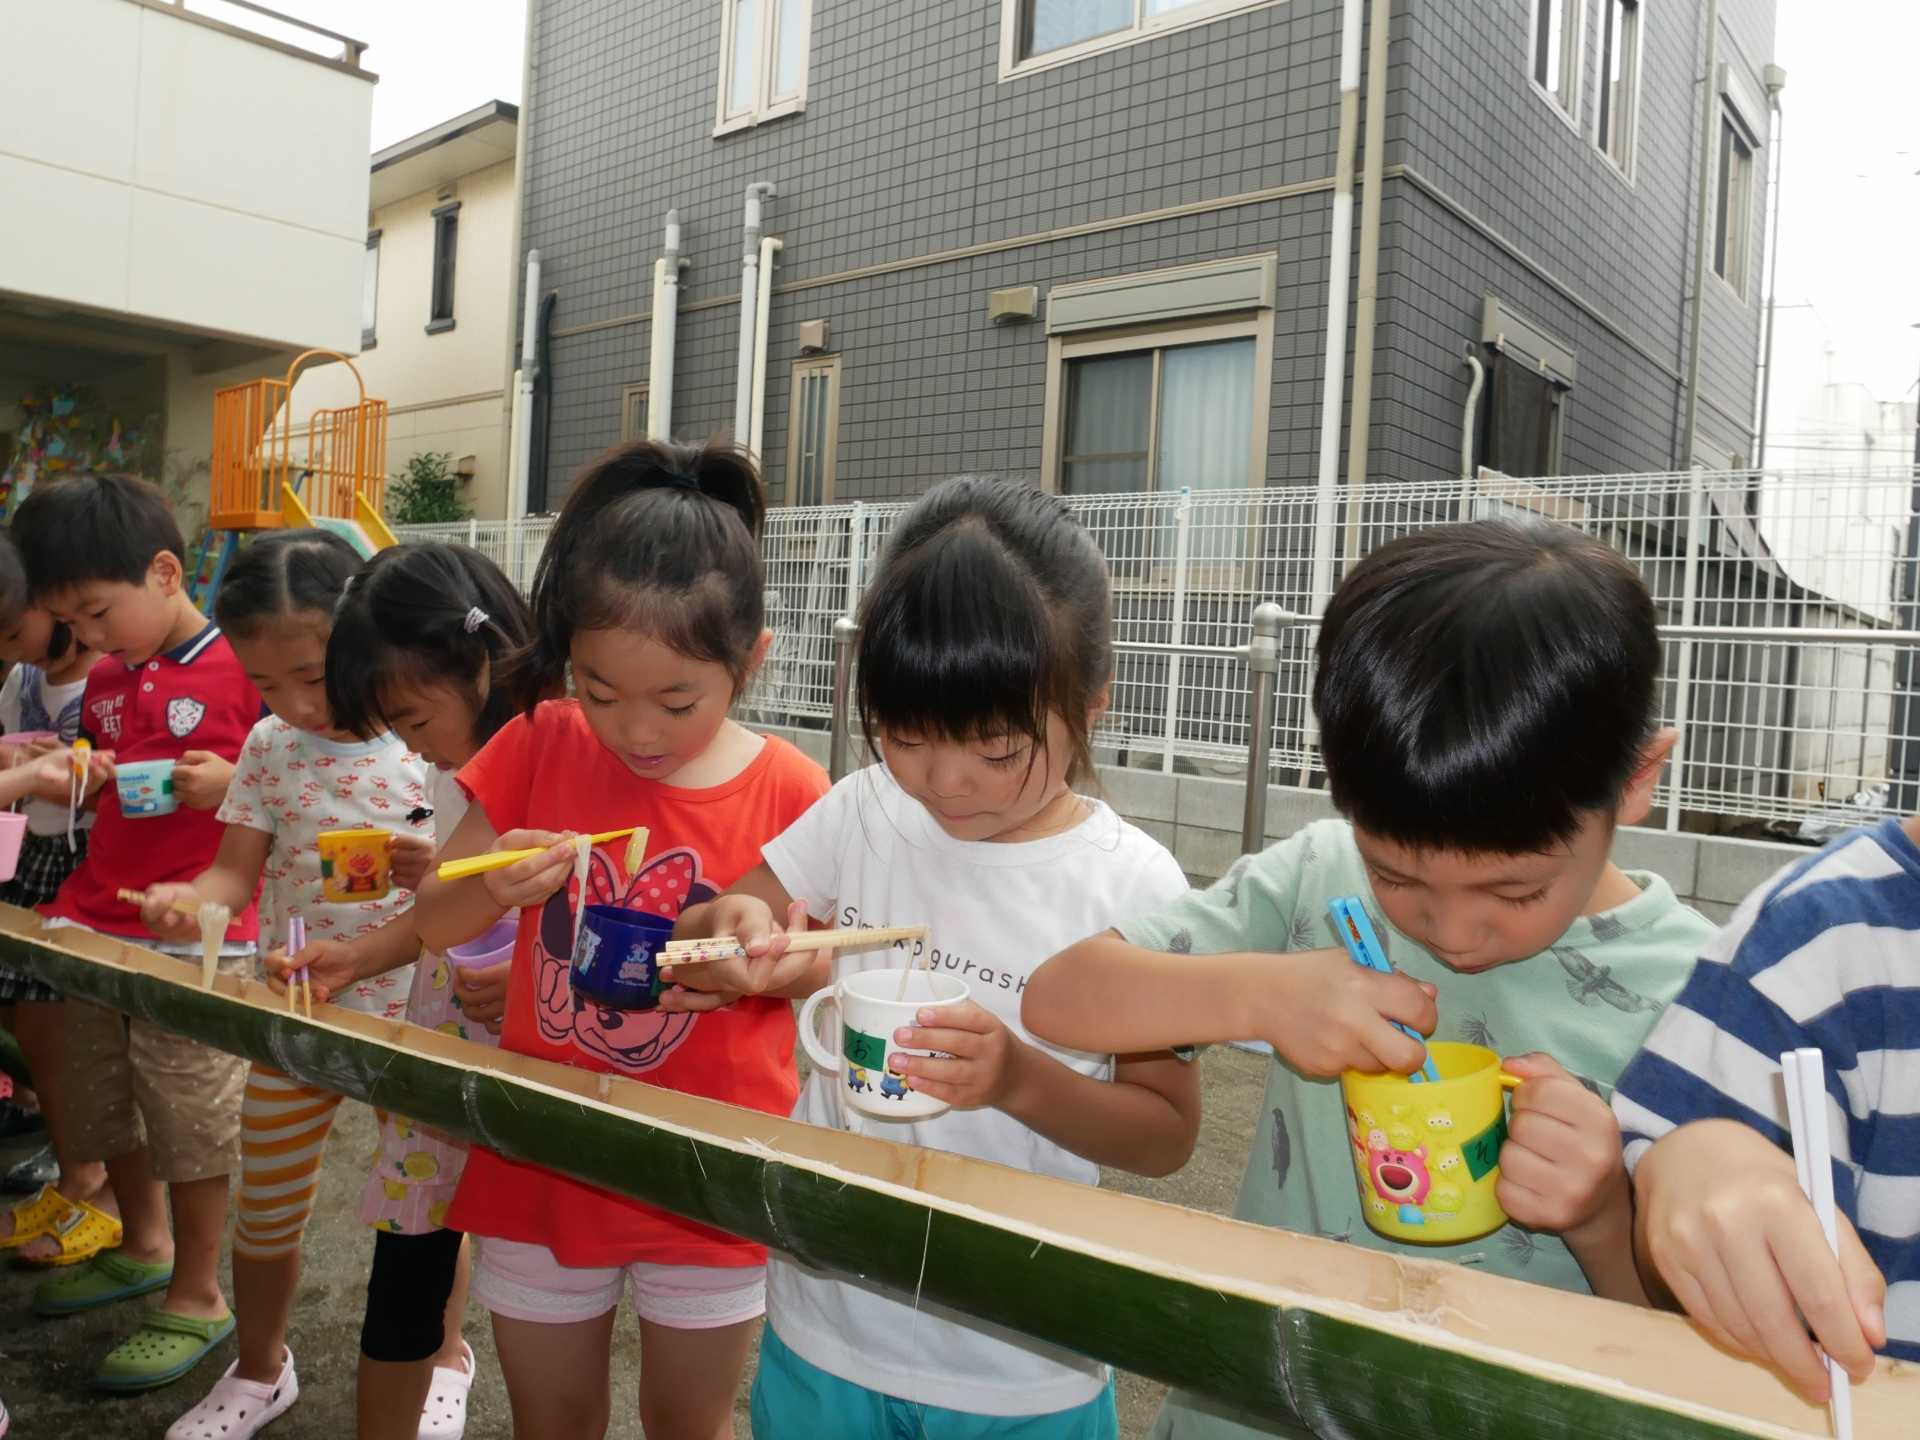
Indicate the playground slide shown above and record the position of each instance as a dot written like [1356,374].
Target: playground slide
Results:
[349,531]
[367,533]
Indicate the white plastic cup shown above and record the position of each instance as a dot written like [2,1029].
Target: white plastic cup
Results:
[869,1014]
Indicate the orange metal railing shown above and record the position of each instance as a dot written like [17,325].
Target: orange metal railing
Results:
[258,452]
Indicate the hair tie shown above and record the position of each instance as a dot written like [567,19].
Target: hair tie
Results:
[476,617]
[681,480]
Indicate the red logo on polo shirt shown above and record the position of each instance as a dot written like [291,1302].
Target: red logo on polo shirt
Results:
[184,715]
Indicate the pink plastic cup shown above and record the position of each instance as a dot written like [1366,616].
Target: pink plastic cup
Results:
[13,832]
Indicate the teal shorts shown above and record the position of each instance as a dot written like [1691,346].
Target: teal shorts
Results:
[793,1400]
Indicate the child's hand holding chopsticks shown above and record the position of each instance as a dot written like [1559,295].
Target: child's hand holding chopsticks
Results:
[1326,1014]
[533,880]
[332,966]
[1727,1228]
[765,968]
[169,911]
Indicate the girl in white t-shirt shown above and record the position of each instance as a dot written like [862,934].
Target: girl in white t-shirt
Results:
[985,661]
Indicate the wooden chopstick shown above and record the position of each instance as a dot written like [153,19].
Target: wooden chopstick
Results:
[701,952]
[500,859]
[183,907]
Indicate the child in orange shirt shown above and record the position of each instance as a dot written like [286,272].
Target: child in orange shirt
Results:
[651,589]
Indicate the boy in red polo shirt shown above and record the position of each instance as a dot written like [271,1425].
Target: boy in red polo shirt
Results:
[103,554]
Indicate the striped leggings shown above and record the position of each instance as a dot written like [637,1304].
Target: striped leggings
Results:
[283,1135]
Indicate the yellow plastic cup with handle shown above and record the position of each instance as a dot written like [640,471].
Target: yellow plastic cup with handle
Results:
[1427,1156]
[355,865]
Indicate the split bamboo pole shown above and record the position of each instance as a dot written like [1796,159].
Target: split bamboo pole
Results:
[1352,1342]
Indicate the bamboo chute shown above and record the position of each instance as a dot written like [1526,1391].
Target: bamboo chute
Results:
[1352,1342]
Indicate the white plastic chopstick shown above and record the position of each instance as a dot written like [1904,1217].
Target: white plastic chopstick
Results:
[1804,1074]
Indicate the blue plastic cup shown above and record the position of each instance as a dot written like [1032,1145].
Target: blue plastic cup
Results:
[616,962]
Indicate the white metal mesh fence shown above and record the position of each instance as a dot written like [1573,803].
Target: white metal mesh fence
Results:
[1786,597]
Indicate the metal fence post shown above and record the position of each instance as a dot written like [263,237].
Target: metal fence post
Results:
[473,532]
[1689,614]
[1182,533]
[840,751]
[856,555]
[1263,674]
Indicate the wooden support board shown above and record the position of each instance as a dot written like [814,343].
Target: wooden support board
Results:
[1354,1342]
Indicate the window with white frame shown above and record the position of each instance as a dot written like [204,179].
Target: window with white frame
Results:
[1733,206]
[1617,111]
[1159,418]
[1038,33]
[763,60]
[633,412]
[1554,51]
[814,430]
[1152,411]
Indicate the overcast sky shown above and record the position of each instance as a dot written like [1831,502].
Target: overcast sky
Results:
[1850,214]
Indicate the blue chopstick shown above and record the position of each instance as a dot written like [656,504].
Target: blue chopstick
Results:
[1356,933]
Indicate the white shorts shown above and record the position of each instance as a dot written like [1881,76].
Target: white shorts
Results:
[525,1282]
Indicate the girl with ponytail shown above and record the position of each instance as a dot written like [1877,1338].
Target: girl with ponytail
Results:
[649,597]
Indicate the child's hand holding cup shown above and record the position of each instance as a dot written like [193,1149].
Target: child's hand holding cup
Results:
[872,1005]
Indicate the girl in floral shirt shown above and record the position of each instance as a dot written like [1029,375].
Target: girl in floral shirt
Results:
[297,776]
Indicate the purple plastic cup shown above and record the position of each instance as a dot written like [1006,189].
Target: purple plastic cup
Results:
[489,949]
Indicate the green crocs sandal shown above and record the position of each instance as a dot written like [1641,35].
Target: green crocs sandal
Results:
[164,1349]
[107,1279]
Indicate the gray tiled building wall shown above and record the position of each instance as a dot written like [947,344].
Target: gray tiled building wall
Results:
[911,147]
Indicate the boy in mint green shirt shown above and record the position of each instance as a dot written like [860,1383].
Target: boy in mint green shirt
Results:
[1486,697]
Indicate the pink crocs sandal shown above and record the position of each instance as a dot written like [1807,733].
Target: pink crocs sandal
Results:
[445,1417]
[236,1409]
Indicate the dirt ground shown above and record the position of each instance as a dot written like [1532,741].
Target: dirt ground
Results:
[44,1364]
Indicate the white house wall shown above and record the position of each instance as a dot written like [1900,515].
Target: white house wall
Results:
[444,391]
[152,152]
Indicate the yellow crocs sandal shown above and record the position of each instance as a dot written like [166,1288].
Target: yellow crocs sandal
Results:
[82,1232]
[34,1218]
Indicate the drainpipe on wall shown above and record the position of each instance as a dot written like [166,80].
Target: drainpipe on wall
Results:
[540,414]
[665,328]
[512,421]
[1367,291]
[519,487]
[1776,82]
[1339,269]
[763,317]
[749,310]
[1470,420]
[1703,220]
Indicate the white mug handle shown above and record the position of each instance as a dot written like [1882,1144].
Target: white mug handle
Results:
[809,1028]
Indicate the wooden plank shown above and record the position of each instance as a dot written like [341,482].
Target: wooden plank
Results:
[1355,1342]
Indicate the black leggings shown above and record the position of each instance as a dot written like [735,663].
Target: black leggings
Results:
[407,1295]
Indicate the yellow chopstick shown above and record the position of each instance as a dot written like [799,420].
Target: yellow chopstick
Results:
[500,859]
